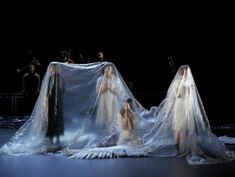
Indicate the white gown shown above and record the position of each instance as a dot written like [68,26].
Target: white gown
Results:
[109,102]
[128,135]
[181,109]
[87,108]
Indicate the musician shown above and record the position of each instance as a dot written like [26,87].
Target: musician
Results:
[31,86]
[35,61]
[100,57]
[66,57]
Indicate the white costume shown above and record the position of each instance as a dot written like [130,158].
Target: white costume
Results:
[110,95]
[91,103]
[127,123]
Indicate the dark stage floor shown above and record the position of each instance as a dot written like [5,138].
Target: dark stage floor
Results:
[58,166]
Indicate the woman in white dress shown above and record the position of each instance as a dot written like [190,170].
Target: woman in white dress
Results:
[182,107]
[110,93]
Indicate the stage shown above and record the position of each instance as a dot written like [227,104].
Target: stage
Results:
[60,166]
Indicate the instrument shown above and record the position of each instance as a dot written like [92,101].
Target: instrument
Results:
[172,65]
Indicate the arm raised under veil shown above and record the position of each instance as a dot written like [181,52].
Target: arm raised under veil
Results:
[110,94]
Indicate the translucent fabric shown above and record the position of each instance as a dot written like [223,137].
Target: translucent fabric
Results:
[182,122]
[87,111]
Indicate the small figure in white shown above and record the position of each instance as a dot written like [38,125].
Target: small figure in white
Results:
[127,119]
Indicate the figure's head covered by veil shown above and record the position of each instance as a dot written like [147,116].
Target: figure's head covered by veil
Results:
[86,100]
[182,126]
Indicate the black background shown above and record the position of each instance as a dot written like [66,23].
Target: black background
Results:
[137,36]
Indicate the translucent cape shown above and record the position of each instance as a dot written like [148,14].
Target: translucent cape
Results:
[74,105]
[81,106]
[182,122]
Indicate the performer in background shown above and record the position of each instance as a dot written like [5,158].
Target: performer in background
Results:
[99,58]
[65,57]
[31,86]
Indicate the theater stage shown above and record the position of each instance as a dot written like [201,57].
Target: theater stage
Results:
[60,166]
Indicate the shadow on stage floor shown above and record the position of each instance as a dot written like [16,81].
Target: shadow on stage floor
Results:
[60,166]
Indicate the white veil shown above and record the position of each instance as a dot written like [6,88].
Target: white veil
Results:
[87,101]
[89,114]
[182,126]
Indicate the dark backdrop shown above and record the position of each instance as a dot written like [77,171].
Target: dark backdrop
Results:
[137,36]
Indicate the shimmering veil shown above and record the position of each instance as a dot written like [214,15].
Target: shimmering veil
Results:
[182,127]
[81,105]
[75,96]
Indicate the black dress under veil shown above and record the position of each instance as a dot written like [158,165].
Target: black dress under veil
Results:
[55,126]
[88,100]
